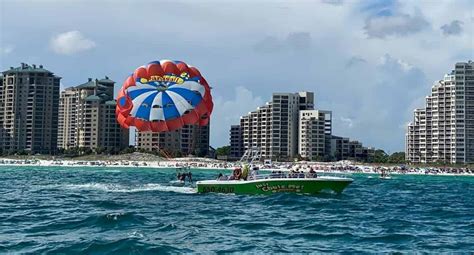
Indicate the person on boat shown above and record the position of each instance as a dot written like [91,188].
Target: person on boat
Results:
[190,177]
[245,173]
[312,173]
[253,173]
[273,174]
[237,174]
[182,177]
[301,174]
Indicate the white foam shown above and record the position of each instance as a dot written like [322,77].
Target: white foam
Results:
[135,234]
[108,187]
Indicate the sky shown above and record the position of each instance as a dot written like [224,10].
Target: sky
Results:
[370,62]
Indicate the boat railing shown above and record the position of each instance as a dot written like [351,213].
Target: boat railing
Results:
[283,176]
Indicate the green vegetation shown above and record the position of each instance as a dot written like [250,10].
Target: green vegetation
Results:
[223,151]
[99,152]
[381,156]
[397,157]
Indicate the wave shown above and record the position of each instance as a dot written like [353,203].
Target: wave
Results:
[109,187]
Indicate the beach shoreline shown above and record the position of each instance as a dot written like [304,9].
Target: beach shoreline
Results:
[185,164]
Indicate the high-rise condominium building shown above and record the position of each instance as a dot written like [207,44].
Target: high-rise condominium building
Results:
[314,137]
[256,130]
[236,142]
[29,97]
[288,125]
[67,118]
[284,123]
[444,130]
[190,139]
[87,117]
[342,148]
[339,148]
[273,128]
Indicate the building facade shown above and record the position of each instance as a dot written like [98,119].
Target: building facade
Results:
[288,127]
[284,125]
[339,148]
[359,152]
[87,118]
[443,131]
[314,137]
[29,99]
[67,118]
[273,128]
[257,130]
[342,148]
[188,140]
[236,142]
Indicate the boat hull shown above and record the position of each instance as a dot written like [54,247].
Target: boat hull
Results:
[272,186]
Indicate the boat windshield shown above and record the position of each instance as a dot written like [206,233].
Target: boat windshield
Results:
[283,175]
[274,175]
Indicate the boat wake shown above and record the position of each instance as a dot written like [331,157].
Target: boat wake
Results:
[109,187]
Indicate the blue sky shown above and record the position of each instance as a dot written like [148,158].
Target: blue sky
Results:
[370,62]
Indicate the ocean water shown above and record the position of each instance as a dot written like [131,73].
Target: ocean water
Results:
[142,211]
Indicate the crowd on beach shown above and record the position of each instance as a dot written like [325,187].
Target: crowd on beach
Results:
[404,169]
[203,163]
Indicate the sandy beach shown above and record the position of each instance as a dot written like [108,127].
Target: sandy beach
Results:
[184,164]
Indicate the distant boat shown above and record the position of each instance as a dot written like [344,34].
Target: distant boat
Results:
[183,168]
[385,176]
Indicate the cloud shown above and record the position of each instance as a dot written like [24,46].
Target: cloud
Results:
[347,121]
[354,61]
[377,94]
[227,112]
[296,41]
[333,2]
[299,41]
[382,26]
[268,44]
[391,63]
[375,98]
[71,42]
[379,8]
[453,28]
[6,50]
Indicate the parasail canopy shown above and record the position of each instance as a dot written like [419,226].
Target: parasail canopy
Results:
[163,96]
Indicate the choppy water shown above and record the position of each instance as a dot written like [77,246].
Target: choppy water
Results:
[138,211]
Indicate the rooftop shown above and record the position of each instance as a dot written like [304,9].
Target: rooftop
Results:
[91,83]
[28,68]
[111,102]
[93,98]
[106,80]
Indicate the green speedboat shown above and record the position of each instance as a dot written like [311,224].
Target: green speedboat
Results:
[276,183]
